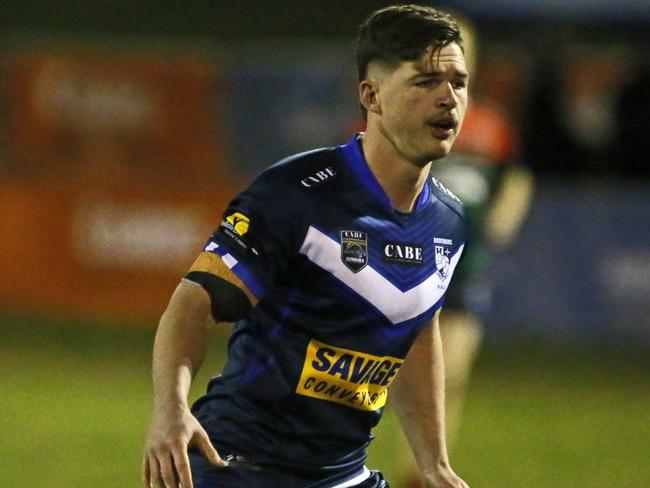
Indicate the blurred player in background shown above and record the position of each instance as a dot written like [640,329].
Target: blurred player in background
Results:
[497,192]
[333,264]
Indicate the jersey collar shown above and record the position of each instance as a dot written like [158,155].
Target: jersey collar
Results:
[356,160]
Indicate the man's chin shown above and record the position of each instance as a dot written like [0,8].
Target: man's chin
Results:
[436,151]
[441,151]
[429,157]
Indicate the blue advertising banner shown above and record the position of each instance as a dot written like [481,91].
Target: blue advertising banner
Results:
[577,9]
[582,265]
[285,104]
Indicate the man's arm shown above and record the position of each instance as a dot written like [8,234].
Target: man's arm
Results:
[418,397]
[510,206]
[179,351]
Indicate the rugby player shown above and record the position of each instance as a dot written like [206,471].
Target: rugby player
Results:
[497,192]
[333,265]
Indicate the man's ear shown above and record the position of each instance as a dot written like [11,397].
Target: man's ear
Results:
[369,96]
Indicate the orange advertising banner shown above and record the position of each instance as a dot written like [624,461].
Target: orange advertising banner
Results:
[116,115]
[118,175]
[67,248]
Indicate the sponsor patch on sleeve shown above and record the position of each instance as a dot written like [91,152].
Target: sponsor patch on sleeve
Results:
[235,226]
[237,222]
[351,378]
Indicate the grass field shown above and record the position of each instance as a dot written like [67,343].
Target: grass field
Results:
[75,402]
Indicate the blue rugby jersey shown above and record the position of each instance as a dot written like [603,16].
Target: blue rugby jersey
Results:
[345,284]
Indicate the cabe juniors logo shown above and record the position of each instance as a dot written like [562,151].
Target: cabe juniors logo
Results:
[354,249]
[351,378]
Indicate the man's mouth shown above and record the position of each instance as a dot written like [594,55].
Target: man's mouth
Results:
[443,126]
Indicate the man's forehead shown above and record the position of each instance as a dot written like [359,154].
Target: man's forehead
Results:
[435,58]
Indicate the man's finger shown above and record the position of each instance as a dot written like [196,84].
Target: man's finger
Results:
[154,472]
[167,470]
[182,464]
[202,441]
[146,472]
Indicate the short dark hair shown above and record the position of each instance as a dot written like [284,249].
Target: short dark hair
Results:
[403,33]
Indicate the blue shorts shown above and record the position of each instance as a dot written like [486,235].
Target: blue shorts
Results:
[205,475]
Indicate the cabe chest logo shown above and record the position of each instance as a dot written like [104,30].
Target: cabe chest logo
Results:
[396,252]
[351,378]
[354,249]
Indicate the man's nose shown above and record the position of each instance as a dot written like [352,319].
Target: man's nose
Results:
[447,98]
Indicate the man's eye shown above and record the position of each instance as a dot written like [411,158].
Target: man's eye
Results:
[459,85]
[427,83]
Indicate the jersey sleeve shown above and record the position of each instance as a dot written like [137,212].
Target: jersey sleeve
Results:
[256,237]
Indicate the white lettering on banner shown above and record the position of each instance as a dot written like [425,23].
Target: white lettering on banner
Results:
[88,101]
[137,235]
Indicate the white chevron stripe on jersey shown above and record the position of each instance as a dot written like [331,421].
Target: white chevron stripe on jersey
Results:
[395,304]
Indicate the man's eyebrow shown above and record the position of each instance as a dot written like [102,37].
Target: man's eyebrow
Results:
[435,73]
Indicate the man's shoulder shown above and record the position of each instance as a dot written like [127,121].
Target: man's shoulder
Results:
[303,171]
[446,196]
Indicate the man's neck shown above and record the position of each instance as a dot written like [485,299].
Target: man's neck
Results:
[401,180]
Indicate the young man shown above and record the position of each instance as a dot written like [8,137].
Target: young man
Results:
[496,192]
[333,264]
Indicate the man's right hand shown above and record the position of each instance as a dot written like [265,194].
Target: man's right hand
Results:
[165,462]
